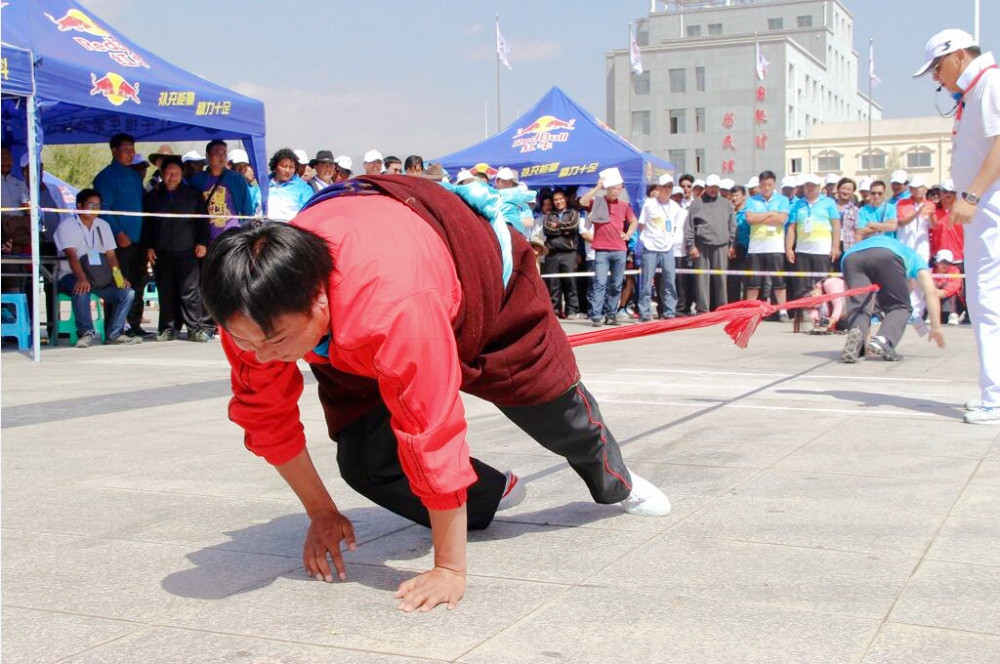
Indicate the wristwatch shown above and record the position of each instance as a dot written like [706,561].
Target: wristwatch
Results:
[968,196]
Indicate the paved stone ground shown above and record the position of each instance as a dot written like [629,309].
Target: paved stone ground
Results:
[822,513]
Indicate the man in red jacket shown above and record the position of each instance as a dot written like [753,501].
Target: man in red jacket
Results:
[394,292]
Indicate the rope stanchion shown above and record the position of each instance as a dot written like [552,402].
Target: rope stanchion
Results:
[741,319]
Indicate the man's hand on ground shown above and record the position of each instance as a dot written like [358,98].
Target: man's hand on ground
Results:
[937,336]
[326,532]
[438,586]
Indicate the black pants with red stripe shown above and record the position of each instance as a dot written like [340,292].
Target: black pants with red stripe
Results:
[570,426]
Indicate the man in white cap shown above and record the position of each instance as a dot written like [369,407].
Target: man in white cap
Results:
[809,241]
[864,190]
[710,231]
[657,223]
[767,213]
[913,224]
[788,185]
[506,178]
[830,184]
[753,186]
[958,64]
[613,222]
[342,168]
[726,187]
[372,162]
[898,181]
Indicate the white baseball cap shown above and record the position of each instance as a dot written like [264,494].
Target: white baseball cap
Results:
[811,178]
[665,179]
[918,182]
[865,184]
[944,255]
[463,175]
[698,183]
[948,185]
[239,156]
[753,182]
[344,162]
[191,155]
[612,177]
[372,155]
[302,156]
[789,182]
[831,178]
[713,180]
[899,177]
[506,174]
[943,43]
[727,184]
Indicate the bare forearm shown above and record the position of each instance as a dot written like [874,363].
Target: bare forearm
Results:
[75,265]
[931,298]
[449,532]
[301,476]
[588,197]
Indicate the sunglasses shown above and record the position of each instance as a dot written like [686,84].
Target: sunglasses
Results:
[877,193]
[938,62]
[92,206]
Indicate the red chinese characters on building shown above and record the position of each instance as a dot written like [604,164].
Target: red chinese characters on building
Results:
[728,165]
[761,93]
[728,120]
[727,143]
[761,140]
[760,116]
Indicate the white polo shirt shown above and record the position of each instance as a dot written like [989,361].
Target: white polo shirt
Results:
[72,234]
[980,122]
[657,222]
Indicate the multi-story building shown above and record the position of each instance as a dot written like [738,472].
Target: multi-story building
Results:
[921,146]
[699,103]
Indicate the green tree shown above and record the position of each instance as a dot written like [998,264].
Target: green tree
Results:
[75,164]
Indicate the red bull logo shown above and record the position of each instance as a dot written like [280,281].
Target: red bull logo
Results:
[543,133]
[76,20]
[114,88]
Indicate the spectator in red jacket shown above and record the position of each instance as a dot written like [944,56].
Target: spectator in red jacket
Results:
[949,289]
[397,300]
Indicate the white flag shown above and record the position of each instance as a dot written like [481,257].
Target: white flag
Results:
[761,64]
[635,56]
[875,80]
[503,50]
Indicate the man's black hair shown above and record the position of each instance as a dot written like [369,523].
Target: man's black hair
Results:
[766,175]
[686,176]
[212,143]
[974,51]
[283,153]
[171,159]
[118,139]
[264,271]
[84,194]
[391,160]
[880,183]
[842,181]
[740,188]
[412,161]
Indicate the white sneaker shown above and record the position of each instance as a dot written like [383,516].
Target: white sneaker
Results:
[953,318]
[85,340]
[983,415]
[645,499]
[972,404]
[513,493]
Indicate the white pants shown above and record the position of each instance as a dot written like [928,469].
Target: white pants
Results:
[982,267]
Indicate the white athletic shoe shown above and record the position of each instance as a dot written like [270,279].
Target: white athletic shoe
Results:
[645,499]
[953,318]
[513,493]
[983,415]
[972,404]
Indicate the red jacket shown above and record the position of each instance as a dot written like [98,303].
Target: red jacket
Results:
[418,311]
[946,235]
[951,287]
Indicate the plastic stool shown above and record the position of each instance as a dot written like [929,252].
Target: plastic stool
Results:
[20,327]
[68,325]
[150,295]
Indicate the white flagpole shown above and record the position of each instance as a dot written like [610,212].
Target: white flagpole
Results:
[753,118]
[975,21]
[871,47]
[497,16]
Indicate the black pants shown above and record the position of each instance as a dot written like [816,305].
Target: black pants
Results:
[177,278]
[882,267]
[132,260]
[685,286]
[570,426]
[562,262]
[734,282]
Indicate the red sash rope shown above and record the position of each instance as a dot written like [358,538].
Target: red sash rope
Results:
[741,319]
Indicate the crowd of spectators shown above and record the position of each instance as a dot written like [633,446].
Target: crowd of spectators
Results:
[601,261]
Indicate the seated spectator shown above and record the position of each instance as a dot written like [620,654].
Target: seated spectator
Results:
[948,288]
[90,266]
[175,246]
[561,228]
[393,166]
[287,193]
[828,315]
[16,225]
[413,165]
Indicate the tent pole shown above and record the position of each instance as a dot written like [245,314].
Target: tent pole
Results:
[35,176]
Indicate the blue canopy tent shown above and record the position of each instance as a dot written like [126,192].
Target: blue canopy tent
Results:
[69,77]
[557,143]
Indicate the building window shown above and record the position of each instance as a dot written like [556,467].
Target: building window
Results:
[679,159]
[640,83]
[919,158]
[694,31]
[775,24]
[828,162]
[678,121]
[715,28]
[699,161]
[640,123]
[642,33]
[678,80]
[699,120]
[699,78]
[873,161]
[796,165]
[804,21]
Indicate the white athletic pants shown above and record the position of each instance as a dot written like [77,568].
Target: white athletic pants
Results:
[982,265]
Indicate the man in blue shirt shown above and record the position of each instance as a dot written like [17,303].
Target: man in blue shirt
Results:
[890,264]
[766,213]
[812,241]
[120,188]
[877,216]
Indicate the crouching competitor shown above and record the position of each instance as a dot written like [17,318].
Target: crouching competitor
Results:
[399,296]
[885,261]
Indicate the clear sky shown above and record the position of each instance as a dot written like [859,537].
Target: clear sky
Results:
[420,76]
